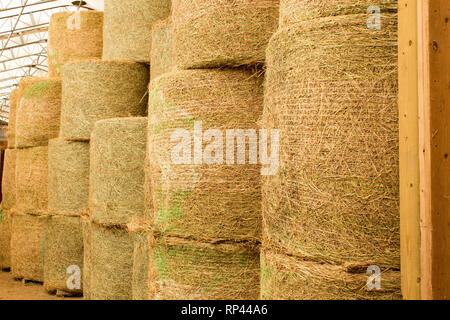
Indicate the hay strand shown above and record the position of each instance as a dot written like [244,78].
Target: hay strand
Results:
[161,57]
[9,180]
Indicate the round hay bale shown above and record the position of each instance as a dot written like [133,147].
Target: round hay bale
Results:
[287,278]
[208,202]
[111,263]
[217,33]
[188,270]
[32,180]
[117,170]
[68,176]
[96,90]
[9,180]
[139,234]
[38,114]
[27,234]
[5,239]
[332,93]
[161,57]
[73,36]
[87,260]
[128,26]
[63,254]
[11,131]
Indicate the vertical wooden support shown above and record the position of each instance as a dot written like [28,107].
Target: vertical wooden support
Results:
[434,138]
[409,150]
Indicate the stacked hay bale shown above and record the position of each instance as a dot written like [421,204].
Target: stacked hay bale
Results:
[206,216]
[161,56]
[331,210]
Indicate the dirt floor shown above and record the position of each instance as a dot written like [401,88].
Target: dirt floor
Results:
[11,289]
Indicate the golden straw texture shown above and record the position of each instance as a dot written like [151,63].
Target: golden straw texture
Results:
[13,104]
[9,180]
[87,260]
[161,57]
[5,239]
[139,233]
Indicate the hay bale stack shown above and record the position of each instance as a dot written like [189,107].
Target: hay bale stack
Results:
[5,239]
[38,114]
[117,170]
[139,233]
[111,263]
[68,176]
[96,90]
[128,26]
[87,252]
[63,249]
[217,33]
[13,104]
[207,202]
[27,234]
[32,180]
[161,57]
[287,278]
[184,269]
[9,180]
[74,36]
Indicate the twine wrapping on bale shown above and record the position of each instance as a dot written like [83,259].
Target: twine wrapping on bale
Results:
[117,170]
[13,104]
[287,278]
[63,254]
[9,180]
[111,263]
[32,180]
[332,93]
[186,270]
[27,233]
[95,90]
[38,114]
[74,36]
[128,26]
[217,33]
[208,202]
[68,176]
[5,239]
[87,260]
[139,233]
[161,57]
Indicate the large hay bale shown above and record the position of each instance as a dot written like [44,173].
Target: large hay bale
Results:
[68,176]
[187,270]
[63,254]
[96,90]
[161,57]
[139,286]
[5,239]
[87,260]
[27,232]
[32,180]
[9,180]
[128,27]
[111,263]
[117,170]
[217,33]
[73,36]
[208,202]
[287,278]
[332,92]
[38,114]
[13,104]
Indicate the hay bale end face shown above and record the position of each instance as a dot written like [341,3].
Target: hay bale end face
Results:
[13,104]
[117,170]
[5,239]
[128,27]
[9,180]
[68,176]
[38,114]
[94,90]
[217,33]
[63,254]
[161,57]
[74,36]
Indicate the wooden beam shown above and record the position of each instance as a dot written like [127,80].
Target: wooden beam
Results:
[434,139]
[409,150]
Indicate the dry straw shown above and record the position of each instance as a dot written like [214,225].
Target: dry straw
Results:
[9,180]
[117,170]
[187,270]
[27,233]
[332,91]
[5,239]
[13,104]
[128,26]
[216,33]
[63,254]
[38,114]
[287,278]
[74,36]
[95,90]
[87,252]
[68,176]
[161,57]
[138,230]
[32,180]
[111,263]
[208,202]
